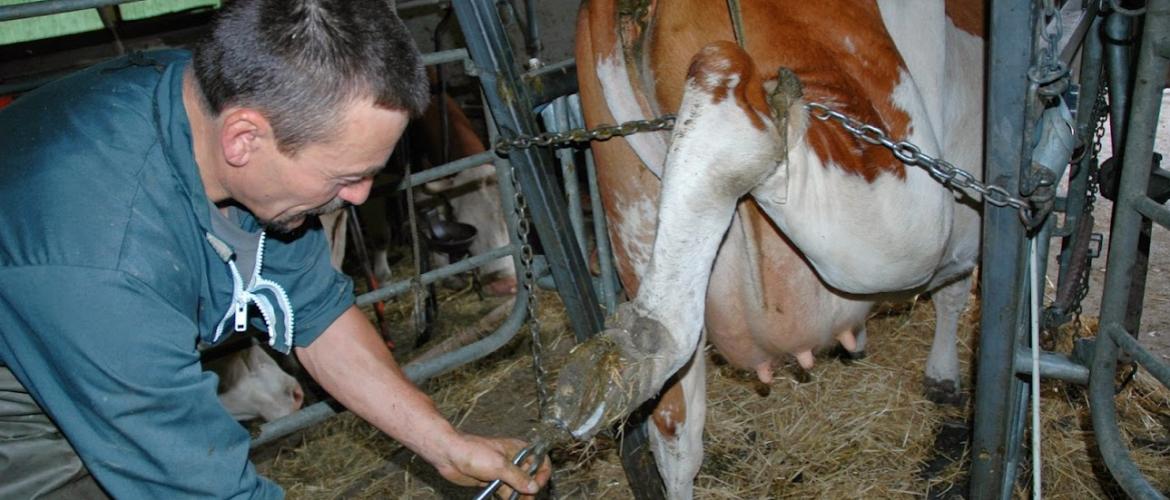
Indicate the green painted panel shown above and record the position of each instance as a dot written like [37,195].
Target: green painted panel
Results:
[67,23]
[149,8]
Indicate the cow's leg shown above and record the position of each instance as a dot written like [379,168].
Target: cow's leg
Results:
[676,431]
[942,367]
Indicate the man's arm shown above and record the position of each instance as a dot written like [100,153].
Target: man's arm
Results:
[351,362]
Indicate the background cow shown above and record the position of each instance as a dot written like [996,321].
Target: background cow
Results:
[252,385]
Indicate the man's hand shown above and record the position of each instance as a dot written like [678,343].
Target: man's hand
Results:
[475,461]
[351,362]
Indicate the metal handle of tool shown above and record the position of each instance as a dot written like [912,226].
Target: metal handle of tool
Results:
[495,485]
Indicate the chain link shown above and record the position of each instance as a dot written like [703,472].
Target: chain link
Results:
[528,277]
[1093,187]
[942,171]
[579,135]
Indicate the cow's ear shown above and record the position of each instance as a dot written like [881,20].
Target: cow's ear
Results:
[243,132]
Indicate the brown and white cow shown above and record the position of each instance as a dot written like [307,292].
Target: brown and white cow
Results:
[832,223]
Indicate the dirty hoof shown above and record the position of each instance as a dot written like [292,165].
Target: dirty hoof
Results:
[943,392]
[846,356]
[761,389]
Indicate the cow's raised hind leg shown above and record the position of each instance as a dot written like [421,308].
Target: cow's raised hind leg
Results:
[676,428]
[942,367]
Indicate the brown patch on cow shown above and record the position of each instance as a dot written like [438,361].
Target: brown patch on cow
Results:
[620,172]
[848,62]
[671,410]
[969,16]
[722,68]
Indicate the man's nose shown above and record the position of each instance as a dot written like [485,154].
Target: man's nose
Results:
[358,192]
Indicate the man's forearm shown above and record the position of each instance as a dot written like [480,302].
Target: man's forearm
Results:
[351,361]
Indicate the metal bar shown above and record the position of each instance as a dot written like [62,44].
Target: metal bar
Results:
[444,57]
[560,122]
[429,59]
[47,7]
[998,406]
[417,373]
[511,105]
[1126,342]
[1153,210]
[1088,18]
[1123,242]
[552,81]
[507,195]
[446,169]
[608,286]
[1053,366]
[1119,64]
[401,286]
[418,4]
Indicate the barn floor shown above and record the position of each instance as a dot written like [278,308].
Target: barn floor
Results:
[852,430]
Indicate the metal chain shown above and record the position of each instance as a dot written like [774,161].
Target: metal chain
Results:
[1050,74]
[578,135]
[1093,186]
[942,171]
[528,276]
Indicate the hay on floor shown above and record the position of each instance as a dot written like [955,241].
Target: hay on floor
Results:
[856,430]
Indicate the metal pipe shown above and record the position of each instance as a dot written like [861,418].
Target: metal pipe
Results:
[504,180]
[435,173]
[1126,229]
[998,392]
[1052,366]
[429,59]
[556,118]
[608,286]
[417,4]
[1153,210]
[1088,21]
[401,286]
[1118,63]
[47,7]
[1126,342]
[511,106]
[445,56]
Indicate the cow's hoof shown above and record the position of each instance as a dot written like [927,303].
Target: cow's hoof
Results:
[846,356]
[943,392]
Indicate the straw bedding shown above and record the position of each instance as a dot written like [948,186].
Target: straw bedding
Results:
[853,430]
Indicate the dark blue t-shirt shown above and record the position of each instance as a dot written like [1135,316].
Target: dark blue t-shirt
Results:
[109,280]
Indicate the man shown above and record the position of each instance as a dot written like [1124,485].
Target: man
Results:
[159,200]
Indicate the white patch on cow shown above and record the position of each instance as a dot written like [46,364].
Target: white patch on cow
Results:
[638,218]
[921,41]
[848,40]
[623,104]
[679,458]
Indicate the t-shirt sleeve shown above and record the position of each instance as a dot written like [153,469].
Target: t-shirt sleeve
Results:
[318,292]
[116,368]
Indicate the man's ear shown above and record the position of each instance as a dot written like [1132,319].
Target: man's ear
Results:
[243,133]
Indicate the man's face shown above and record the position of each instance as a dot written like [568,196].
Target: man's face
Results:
[326,176]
